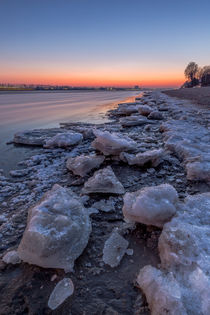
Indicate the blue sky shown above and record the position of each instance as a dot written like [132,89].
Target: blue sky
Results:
[95,42]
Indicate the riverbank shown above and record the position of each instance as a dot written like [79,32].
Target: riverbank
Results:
[158,141]
[200,96]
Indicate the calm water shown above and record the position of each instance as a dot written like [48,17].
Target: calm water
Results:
[29,110]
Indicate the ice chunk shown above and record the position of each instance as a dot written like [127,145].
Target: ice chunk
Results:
[162,292]
[144,110]
[60,293]
[112,143]
[35,137]
[129,251]
[134,120]
[19,173]
[105,205]
[103,181]
[191,143]
[57,231]
[114,249]
[83,164]
[155,115]
[199,170]
[11,257]
[154,205]
[84,128]
[154,157]
[185,241]
[63,140]
[125,109]
[182,284]
[200,282]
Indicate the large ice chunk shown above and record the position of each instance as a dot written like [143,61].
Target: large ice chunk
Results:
[112,143]
[63,140]
[154,205]
[83,164]
[182,284]
[185,241]
[57,231]
[114,249]
[162,292]
[103,181]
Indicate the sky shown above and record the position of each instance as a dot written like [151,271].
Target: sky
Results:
[102,43]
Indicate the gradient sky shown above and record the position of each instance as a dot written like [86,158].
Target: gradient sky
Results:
[93,42]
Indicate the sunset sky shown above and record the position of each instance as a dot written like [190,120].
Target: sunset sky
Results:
[102,43]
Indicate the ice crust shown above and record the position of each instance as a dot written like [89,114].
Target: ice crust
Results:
[57,231]
[151,205]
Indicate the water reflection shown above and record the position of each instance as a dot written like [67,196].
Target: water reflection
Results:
[47,109]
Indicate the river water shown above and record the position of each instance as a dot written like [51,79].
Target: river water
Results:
[28,110]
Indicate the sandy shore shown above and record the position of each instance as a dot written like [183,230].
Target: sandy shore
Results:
[200,96]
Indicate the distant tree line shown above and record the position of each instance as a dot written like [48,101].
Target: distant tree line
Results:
[196,75]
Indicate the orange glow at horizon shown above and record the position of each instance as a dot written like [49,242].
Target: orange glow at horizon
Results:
[94,81]
[92,75]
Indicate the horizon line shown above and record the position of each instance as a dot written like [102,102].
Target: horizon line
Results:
[137,86]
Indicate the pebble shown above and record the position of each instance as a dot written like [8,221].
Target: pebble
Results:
[129,251]
[53,277]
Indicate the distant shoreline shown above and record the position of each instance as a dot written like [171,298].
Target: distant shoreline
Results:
[63,91]
[60,89]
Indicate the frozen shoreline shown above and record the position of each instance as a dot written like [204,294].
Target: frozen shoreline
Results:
[176,122]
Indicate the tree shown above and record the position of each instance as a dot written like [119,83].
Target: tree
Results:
[205,77]
[199,73]
[191,71]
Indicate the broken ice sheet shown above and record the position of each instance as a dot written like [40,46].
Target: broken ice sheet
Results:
[114,249]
